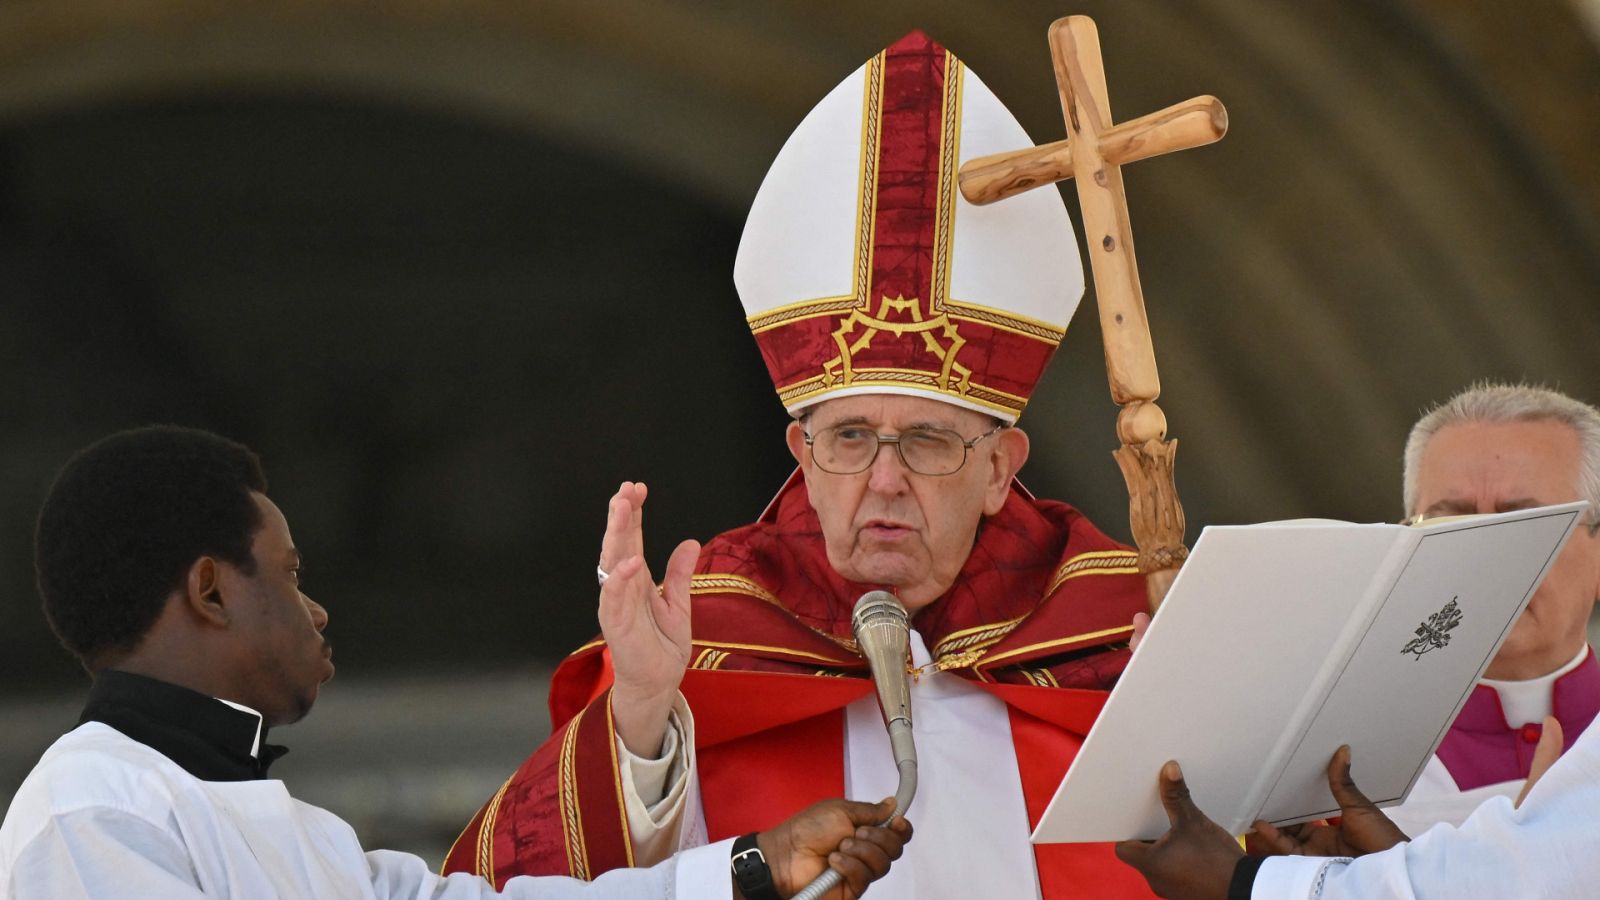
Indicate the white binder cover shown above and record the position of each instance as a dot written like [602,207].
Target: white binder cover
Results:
[1279,642]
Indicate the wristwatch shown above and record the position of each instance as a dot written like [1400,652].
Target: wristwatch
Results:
[750,871]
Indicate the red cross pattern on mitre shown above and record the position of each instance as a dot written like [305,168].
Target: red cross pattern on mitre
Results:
[863,270]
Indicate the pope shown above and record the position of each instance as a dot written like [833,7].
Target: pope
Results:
[904,330]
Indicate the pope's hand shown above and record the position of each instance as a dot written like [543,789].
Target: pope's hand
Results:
[646,629]
[1141,624]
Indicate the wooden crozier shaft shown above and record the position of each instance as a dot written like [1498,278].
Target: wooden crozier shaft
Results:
[1155,516]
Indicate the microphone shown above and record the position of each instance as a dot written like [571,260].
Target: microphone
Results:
[883,631]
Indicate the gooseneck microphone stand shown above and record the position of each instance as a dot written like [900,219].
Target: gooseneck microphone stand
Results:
[883,631]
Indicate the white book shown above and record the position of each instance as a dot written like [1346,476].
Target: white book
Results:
[1279,642]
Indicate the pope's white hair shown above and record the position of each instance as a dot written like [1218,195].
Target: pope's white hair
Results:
[1495,402]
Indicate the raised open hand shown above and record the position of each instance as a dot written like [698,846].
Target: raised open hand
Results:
[646,628]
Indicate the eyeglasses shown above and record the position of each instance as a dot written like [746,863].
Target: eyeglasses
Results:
[849,449]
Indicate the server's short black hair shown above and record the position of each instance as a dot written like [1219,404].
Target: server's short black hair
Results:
[126,518]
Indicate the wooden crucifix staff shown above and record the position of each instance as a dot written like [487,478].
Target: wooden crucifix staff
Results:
[1095,151]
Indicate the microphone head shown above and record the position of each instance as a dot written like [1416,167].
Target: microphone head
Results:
[876,607]
[883,631]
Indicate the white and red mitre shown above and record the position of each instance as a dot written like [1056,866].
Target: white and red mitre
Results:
[864,271]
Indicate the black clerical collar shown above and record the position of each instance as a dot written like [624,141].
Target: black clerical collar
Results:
[208,738]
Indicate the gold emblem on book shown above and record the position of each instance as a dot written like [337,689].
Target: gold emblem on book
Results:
[840,371]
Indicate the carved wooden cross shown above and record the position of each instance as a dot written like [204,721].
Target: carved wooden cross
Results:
[1096,150]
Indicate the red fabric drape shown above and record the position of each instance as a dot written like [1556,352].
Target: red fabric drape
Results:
[1038,616]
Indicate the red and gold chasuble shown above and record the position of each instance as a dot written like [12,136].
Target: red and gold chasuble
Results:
[1039,616]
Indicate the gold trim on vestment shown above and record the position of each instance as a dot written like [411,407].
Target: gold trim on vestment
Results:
[719,645]
[720,583]
[969,638]
[705,661]
[485,856]
[616,781]
[1095,562]
[990,662]
[1040,677]
[729,583]
[961,660]
[1095,554]
[567,800]
[709,659]
[981,636]
[1099,570]
[457,842]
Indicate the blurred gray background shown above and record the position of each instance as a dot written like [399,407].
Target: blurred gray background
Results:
[456,269]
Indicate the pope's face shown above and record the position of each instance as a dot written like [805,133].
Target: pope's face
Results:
[891,526]
[1482,467]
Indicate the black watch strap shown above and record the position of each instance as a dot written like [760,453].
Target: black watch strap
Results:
[750,870]
[1244,877]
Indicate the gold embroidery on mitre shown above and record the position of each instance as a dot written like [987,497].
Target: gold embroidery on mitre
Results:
[805,391]
[867,188]
[1005,320]
[840,371]
[950,151]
